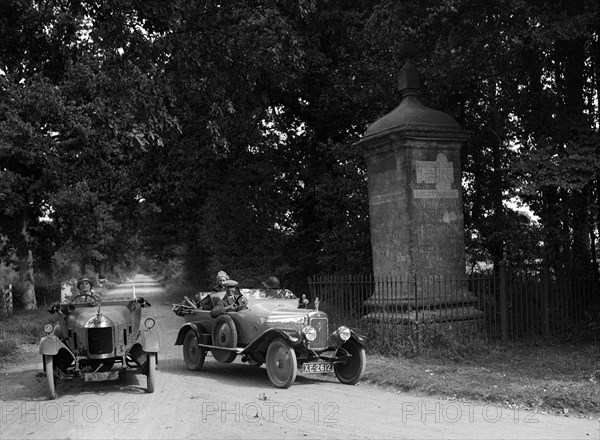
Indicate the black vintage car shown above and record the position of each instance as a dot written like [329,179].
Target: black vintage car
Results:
[98,340]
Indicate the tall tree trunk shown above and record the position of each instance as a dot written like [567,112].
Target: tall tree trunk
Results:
[26,265]
[571,57]
[496,129]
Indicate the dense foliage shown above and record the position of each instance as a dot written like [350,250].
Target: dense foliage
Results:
[220,134]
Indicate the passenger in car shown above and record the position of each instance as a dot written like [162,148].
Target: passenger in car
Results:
[272,283]
[221,278]
[274,290]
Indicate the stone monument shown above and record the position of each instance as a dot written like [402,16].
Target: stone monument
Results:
[415,196]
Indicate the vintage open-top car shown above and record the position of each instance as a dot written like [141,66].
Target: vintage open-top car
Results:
[270,328]
[95,334]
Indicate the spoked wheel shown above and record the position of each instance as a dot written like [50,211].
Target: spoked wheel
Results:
[151,372]
[193,355]
[282,365]
[49,365]
[224,335]
[352,369]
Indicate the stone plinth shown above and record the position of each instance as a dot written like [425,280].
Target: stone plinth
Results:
[415,198]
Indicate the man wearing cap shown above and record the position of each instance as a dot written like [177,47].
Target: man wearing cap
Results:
[233,300]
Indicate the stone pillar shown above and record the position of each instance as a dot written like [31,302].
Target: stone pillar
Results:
[415,197]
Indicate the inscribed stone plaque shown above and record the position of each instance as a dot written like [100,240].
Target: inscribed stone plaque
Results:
[439,173]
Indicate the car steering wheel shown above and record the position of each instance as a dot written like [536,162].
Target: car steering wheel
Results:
[93,301]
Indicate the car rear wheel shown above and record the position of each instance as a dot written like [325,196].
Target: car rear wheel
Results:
[352,369]
[151,372]
[282,365]
[49,365]
[224,335]
[193,355]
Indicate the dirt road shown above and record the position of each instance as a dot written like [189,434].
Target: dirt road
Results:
[238,401]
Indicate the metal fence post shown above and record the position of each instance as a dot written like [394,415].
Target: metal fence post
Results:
[503,320]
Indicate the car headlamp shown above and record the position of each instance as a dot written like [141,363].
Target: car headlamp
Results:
[310,333]
[149,323]
[344,333]
[48,328]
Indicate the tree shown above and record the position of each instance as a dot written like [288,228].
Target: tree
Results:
[77,113]
[221,135]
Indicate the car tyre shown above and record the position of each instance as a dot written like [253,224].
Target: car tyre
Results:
[224,335]
[193,355]
[282,365]
[151,372]
[48,364]
[352,369]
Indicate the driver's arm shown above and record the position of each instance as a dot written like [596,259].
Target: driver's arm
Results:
[241,301]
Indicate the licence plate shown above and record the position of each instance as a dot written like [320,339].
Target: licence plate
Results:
[101,376]
[317,367]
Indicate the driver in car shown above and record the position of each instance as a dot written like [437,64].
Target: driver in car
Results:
[85,287]
[233,300]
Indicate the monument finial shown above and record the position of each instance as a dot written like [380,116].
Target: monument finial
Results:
[408,78]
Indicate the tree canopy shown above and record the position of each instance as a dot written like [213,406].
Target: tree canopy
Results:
[221,134]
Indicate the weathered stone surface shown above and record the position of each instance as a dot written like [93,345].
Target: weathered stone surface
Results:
[437,315]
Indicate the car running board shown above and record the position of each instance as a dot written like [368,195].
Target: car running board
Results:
[238,350]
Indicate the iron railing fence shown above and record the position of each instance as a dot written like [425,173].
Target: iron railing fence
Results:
[542,303]
[506,305]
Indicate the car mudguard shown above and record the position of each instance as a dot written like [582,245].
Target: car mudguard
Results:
[49,345]
[335,341]
[291,336]
[196,327]
[149,341]
[358,337]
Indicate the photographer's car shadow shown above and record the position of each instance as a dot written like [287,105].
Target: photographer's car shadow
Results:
[17,385]
[32,385]
[236,373]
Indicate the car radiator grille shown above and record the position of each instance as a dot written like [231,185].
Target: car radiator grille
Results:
[100,340]
[321,325]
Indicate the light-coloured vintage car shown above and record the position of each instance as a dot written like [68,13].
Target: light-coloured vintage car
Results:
[273,330]
[98,339]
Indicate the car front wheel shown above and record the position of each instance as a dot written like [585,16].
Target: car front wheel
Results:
[193,355]
[352,369]
[282,365]
[151,372]
[49,365]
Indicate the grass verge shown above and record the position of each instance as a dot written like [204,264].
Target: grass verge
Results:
[559,379]
[23,327]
